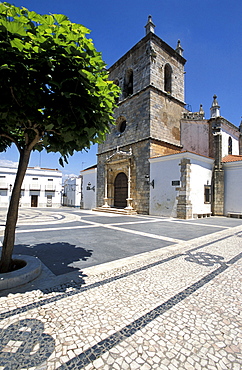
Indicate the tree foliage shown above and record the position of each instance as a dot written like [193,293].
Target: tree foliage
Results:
[54,89]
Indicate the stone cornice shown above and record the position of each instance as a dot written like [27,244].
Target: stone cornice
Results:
[148,138]
[221,120]
[151,87]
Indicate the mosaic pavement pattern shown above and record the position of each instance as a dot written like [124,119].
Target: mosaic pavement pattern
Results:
[35,216]
[175,310]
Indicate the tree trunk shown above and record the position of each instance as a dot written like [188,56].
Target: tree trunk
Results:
[12,216]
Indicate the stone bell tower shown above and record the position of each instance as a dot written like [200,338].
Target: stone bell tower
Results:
[151,78]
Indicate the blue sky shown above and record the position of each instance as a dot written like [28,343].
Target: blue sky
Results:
[210,33]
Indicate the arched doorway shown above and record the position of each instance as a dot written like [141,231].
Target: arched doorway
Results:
[120,190]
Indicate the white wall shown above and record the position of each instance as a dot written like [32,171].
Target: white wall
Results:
[232,187]
[166,169]
[73,192]
[163,171]
[89,196]
[225,141]
[7,177]
[201,175]
[46,184]
[195,136]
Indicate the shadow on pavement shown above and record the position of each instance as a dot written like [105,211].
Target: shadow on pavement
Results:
[58,257]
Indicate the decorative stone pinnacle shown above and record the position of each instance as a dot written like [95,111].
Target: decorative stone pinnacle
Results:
[201,111]
[179,49]
[150,27]
[215,102]
[215,108]
[240,126]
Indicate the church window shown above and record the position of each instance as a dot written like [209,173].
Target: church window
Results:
[167,78]
[128,83]
[121,124]
[230,145]
[207,193]
[116,82]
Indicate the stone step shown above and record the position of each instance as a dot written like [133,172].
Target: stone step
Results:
[234,214]
[201,215]
[122,211]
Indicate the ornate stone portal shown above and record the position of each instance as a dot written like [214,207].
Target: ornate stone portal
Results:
[119,163]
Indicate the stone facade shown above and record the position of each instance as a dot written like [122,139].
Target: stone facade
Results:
[218,192]
[197,135]
[118,161]
[159,148]
[151,121]
[151,77]
[165,115]
[184,205]
[218,176]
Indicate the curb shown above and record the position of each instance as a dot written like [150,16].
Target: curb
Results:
[22,276]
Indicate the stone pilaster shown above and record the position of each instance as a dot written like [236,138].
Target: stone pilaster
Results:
[184,205]
[218,193]
[218,177]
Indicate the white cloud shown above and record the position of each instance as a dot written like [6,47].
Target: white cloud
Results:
[69,175]
[8,163]
[66,176]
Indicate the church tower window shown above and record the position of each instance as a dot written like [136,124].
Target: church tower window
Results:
[121,124]
[128,83]
[116,82]
[167,78]
[230,145]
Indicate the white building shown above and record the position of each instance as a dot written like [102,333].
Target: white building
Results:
[81,191]
[232,165]
[179,175]
[89,188]
[41,187]
[72,193]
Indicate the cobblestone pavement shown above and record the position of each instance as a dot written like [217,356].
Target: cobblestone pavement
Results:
[40,216]
[178,307]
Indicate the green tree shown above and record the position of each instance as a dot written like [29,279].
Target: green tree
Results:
[54,94]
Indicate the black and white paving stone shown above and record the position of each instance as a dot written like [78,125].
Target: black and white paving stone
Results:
[175,307]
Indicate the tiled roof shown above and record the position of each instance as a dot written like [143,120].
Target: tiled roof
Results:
[43,168]
[232,158]
[179,152]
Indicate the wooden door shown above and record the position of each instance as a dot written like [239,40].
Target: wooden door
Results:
[34,200]
[120,190]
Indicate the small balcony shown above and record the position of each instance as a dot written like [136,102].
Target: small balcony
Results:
[34,187]
[50,187]
[4,186]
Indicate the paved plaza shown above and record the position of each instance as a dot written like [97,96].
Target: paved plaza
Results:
[124,292]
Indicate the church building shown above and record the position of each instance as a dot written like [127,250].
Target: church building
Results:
[159,158]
